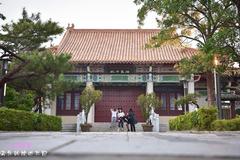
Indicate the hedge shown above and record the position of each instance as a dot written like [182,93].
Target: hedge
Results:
[226,125]
[197,120]
[17,120]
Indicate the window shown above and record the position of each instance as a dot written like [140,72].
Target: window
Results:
[61,102]
[76,101]
[172,99]
[164,102]
[68,101]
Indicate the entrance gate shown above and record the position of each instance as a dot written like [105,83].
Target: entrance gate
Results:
[116,97]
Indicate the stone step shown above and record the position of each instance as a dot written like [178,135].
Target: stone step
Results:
[164,127]
[105,127]
[69,127]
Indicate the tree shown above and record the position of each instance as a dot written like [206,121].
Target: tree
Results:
[22,100]
[204,21]
[33,67]
[29,33]
[43,76]
[88,97]
[186,100]
[147,103]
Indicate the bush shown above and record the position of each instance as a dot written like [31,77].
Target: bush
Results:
[47,123]
[197,120]
[147,103]
[23,100]
[205,118]
[17,120]
[181,123]
[226,125]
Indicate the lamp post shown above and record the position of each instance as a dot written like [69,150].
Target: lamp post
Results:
[217,88]
[185,91]
[4,59]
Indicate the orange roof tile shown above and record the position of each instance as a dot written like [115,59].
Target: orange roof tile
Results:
[118,46]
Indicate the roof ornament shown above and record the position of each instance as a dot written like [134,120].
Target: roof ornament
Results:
[70,26]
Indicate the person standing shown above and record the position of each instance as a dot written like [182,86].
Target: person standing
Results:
[120,115]
[125,119]
[132,120]
[113,118]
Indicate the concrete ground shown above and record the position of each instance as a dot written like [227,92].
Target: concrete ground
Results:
[123,145]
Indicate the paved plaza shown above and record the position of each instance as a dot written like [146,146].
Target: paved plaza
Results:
[123,145]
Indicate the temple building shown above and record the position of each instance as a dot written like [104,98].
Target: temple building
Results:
[117,62]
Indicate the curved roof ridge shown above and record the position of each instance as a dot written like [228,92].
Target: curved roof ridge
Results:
[118,46]
[116,30]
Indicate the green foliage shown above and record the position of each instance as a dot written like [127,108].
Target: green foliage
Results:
[16,120]
[203,63]
[47,123]
[28,33]
[213,25]
[43,73]
[226,125]
[200,63]
[147,102]
[195,20]
[38,70]
[22,100]
[181,122]
[188,99]
[197,120]
[88,97]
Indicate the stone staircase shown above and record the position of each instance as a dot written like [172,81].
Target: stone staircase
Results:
[69,127]
[164,127]
[105,127]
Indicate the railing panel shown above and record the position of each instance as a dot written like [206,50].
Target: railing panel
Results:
[123,78]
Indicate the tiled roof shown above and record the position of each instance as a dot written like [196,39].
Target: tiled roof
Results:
[118,46]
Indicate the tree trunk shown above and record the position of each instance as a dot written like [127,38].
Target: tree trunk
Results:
[40,107]
[86,115]
[40,104]
[210,88]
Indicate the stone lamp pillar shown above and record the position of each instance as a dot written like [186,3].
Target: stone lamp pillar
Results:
[92,110]
[149,88]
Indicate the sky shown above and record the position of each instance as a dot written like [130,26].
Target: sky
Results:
[97,14]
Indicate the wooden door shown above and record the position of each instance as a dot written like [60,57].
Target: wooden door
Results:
[117,97]
[168,107]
